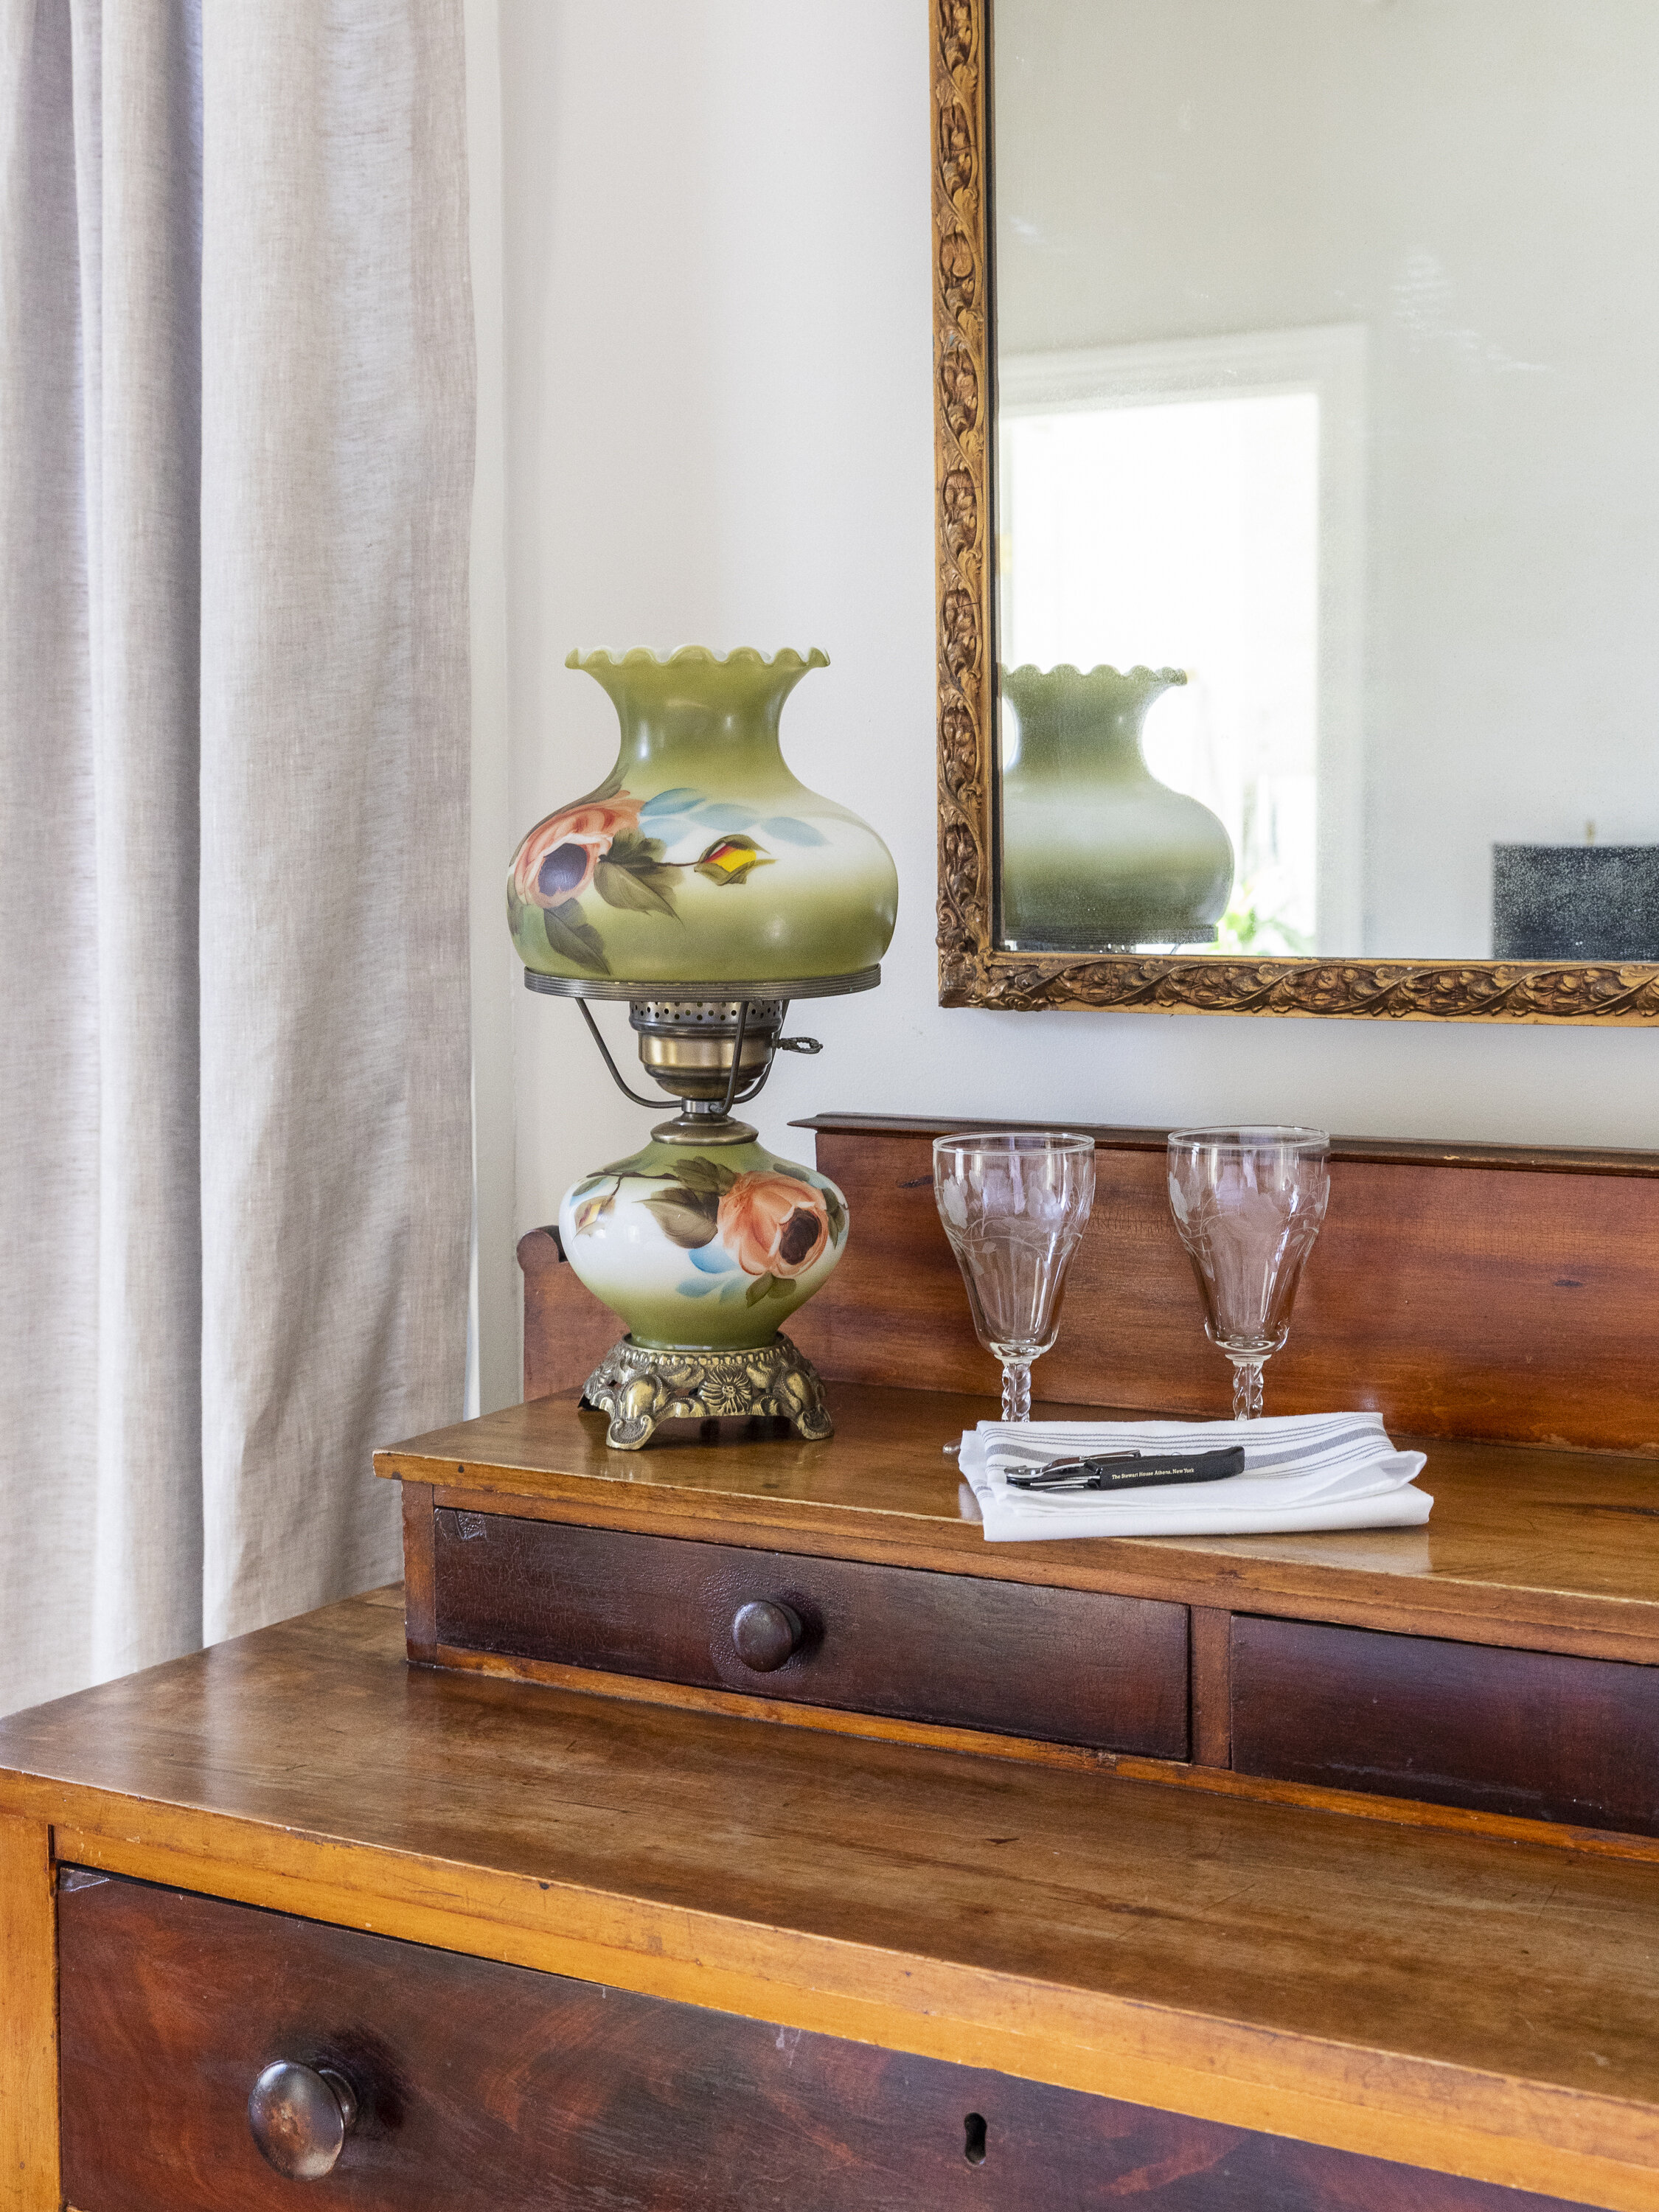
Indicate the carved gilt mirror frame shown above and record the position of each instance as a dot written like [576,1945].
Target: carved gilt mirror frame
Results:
[974,971]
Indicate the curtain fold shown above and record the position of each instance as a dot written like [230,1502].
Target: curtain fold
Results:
[137,118]
[236,418]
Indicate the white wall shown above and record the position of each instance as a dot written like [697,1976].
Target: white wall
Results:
[717,429]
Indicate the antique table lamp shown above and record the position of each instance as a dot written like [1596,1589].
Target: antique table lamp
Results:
[705,884]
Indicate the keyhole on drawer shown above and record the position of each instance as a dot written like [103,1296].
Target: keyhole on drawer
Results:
[973,2135]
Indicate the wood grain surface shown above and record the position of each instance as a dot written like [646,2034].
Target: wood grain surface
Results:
[28,2018]
[1461,1300]
[1210,1636]
[1521,1732]
[1071,1666]
[883,1727]
[1175,1774]
[1520,1269]
[1406,1151]
[1469,2006]
[1540,1550]
[486,2088]
[566,1332]
[420,1587]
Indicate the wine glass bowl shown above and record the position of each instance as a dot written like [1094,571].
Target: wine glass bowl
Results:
[1014,1204]
[1248,1204]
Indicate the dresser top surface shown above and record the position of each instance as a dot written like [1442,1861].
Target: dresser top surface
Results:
[1043,1891]
[1525,1545]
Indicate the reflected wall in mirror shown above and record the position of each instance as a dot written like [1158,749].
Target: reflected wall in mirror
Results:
[1294,594]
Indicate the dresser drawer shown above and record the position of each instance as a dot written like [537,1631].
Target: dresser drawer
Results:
[1068,1665]
[489,2089]
[1526,1733]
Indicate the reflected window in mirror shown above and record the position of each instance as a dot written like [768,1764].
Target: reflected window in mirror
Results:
[1327,476]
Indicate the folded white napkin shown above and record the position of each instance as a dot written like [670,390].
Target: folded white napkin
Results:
[1301,1471]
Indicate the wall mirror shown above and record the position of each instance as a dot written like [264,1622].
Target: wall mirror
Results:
[1298,411]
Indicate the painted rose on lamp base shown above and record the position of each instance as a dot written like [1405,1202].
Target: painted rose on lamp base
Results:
[703,1251]
[703,1247]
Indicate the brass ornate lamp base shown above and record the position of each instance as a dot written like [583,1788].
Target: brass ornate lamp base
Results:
[638,1388]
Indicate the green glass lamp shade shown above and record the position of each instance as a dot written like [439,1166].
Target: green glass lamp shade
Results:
[700,857]
[1095,851]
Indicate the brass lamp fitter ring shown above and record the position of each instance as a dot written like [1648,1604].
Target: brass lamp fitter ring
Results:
[687,1045]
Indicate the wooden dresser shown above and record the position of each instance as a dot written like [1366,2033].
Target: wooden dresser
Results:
[749,1833]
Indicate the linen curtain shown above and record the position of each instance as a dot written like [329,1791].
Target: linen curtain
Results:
[236,414]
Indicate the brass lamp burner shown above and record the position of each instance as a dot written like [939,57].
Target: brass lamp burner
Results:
[687,1045]
[709,1045]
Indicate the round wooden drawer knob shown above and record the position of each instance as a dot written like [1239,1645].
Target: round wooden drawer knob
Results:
[766,1635]
[300,2117]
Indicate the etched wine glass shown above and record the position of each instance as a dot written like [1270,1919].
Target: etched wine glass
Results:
[1014,1204]
[1248,1204]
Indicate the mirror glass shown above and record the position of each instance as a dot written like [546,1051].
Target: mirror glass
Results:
[1327,341]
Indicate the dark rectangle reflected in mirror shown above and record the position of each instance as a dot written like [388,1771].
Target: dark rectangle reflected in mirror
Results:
[1327,355]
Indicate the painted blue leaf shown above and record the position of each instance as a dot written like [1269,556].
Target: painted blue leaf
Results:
[680,800]
[792,831]
[714,1260]
[694,1287]
[724,814]
[669,829]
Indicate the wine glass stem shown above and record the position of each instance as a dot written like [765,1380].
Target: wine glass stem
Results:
[1016,1390]
[1247,1389]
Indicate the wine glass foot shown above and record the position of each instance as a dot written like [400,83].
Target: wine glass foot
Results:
[1247,1389]
[1017,1390]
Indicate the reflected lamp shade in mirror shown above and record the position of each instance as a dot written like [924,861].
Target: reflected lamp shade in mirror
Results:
[1097,853]
[704,882]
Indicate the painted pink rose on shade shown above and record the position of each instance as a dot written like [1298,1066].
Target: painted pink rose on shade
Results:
[556,860]
[772,1225]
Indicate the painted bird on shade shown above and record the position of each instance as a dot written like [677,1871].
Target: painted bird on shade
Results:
[731,859]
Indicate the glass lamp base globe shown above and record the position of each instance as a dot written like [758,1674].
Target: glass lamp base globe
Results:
[703,1247]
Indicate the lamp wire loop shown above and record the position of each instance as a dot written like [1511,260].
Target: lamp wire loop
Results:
[604,1054]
